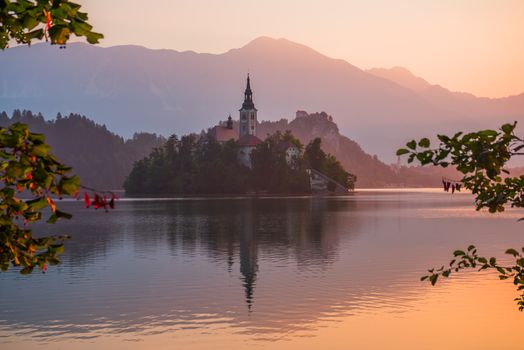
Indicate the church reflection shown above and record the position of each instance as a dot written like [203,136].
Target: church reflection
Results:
[231,234]
[248,255]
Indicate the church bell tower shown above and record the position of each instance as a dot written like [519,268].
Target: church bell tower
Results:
[248,113]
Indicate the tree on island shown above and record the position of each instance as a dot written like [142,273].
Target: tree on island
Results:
[480,157]
[328,164]
[197,164]
[26,164]
[271,171]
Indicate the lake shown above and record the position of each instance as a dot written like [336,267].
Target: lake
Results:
[269,273]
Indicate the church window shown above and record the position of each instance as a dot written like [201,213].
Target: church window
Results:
[243,117]
[252,116]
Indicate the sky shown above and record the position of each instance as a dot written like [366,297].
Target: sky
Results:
[474,46]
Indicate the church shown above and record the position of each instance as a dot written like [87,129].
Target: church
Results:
[246,136]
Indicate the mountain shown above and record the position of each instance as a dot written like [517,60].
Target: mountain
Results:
[464,103]
[101,158]
[402,77]
[370,171]
[104,159]
[132,88]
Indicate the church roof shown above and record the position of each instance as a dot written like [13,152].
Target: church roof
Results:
[249,141]
[224,134]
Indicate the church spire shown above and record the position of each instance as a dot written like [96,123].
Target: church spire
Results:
[248,87]
[248,113]
[248,96]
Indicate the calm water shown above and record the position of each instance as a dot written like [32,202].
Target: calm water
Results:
[280,273]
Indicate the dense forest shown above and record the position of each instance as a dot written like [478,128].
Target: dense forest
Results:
[99,157]
[197,164]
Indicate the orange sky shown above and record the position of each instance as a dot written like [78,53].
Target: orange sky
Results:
[475,46]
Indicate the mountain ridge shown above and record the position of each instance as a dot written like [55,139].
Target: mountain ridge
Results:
[130,88]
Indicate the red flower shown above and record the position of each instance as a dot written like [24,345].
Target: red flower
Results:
[87,200]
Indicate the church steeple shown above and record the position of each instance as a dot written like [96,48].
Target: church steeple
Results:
[248,96]
[248,112]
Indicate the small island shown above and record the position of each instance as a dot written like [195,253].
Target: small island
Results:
[224,161]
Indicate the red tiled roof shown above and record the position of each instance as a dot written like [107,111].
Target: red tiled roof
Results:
[249,141]
[223,134]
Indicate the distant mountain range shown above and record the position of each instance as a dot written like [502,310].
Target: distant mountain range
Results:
[103,159]
[131,88]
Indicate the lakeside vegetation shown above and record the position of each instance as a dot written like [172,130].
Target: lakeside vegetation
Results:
[197,164]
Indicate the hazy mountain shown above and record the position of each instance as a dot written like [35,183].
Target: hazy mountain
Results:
[131,88]
[402,77]
[508,108]
[370,171]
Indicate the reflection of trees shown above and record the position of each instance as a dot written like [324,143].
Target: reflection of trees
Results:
[227,231]
[177,263]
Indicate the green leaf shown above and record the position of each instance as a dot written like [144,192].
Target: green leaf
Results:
[512,251]
[412,144]
[402,151]
[507,128]
[36,138]
[424,142]
[443,138]
[433,279]
[37,203]
[59,34]
[94,38]
[69,185]
[41,150]
[58,215]
[458,253]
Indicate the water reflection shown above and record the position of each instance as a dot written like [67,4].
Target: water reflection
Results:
[265,268]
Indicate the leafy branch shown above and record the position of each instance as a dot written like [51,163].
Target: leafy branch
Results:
[480,157]
[470,259]
[28,168]
[26,20]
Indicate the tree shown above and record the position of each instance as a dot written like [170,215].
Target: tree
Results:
[328,164]
[271,170]
[26,164]
[55,20]
[480,157]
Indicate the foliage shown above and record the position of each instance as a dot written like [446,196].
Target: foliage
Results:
[470,259]
[99,157]
[200,165]
[26,20]
[26,164]
[271,170]
[327,164]
[480,157]
[28,167]
[189,166]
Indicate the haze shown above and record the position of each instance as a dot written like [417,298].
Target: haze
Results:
[470,45]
